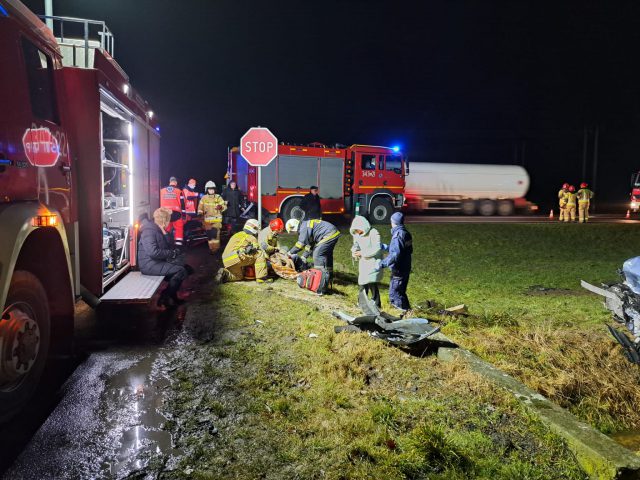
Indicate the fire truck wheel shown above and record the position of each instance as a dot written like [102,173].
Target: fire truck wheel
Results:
[380,211]
[24,341]
[487,208]
[292,209]
[468,207]
[505,208]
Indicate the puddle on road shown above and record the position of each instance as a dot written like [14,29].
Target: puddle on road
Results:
[629,439]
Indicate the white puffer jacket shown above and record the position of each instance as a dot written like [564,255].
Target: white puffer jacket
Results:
[369,247]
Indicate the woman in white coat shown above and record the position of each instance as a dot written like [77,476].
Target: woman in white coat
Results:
[367,249]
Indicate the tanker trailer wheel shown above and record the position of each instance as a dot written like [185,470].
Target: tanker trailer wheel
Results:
[380,211]
[487,208]
[292,209]
[24,342]
[468,207]
[505,208]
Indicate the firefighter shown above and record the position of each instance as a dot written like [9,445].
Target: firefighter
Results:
[311,204]
[171,197]
[317,236]
[399,262]
[243,251]
[562,201]
[211,207]
[268,237]
[584,199]
[191,197]
[570,208]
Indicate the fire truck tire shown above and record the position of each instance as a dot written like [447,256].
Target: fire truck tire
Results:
[505,208]
[292,209]
[24,342]
[487,208]
[468,207]
[380,211]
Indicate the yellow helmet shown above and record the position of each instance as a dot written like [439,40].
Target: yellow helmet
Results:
[252,226]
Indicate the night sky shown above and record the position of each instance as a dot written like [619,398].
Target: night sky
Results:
[450,81]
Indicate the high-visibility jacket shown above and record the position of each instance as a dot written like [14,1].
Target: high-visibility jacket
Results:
[584,195]
[235,252]
[571,199]
[268,241]
[190,200]
[313,233]
[172,198]
[562,197]
[211,207]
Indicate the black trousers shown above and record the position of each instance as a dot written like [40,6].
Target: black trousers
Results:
[373,292]
[398,290]
[323,255]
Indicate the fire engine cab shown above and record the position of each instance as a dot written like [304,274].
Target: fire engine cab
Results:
[360,179]
[79,162]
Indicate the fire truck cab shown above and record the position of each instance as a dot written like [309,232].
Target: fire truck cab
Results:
[360,179]
[79,162]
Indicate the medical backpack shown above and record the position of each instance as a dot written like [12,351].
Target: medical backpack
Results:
[314,279]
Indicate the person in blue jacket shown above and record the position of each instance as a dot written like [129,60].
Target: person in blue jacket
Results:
[399,262]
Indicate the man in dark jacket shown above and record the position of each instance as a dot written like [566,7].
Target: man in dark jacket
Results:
[399,262]
[233,197]
[156,257]
[311,204]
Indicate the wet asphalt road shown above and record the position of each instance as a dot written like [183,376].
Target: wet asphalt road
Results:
[97,413]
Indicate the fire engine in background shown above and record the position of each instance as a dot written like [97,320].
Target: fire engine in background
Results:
[79,161]
[359,179]
[634,206]
[483,189]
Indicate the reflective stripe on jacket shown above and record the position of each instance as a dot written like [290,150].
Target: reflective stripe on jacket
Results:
[584,195]
[571,199]
[234,251]
[313,233]
[190,200]
[172,198]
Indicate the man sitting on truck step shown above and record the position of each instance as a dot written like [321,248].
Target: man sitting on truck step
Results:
[172,197]
[317,236]
[156,257]
[243,251]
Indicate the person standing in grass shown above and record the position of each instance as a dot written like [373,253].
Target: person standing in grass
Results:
[367,249]
[399,262]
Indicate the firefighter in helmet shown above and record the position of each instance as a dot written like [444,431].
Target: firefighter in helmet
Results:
[171,197]
[210,208]
[243,251]
[317,236]
[570,208]
[191,197]
[562,201]
[584,199]
[268,237]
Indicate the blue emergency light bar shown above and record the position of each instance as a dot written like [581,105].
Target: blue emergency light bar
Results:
[396,148]
[3,11]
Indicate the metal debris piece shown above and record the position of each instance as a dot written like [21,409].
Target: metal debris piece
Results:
[313,335]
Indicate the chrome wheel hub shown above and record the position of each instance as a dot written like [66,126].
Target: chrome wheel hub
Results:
[19,344]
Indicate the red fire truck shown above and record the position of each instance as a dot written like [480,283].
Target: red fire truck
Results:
[634,204]
[79,161]
[360,179]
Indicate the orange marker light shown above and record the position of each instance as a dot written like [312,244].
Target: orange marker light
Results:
[45,221]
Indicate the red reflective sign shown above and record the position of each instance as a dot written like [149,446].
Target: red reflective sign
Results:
[41,147]
[259,146]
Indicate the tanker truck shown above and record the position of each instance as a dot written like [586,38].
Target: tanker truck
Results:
[471,189]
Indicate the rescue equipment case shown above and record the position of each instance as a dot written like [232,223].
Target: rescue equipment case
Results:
[314,279]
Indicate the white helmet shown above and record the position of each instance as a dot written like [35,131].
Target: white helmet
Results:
[292,225]
[252,226]
[208,185]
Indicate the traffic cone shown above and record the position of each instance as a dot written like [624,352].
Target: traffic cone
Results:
[628,215]
[551,213]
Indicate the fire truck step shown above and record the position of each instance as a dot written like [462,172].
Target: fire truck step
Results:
[134,288]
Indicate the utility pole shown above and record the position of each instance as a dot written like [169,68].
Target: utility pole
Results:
[596,134]
[48,11]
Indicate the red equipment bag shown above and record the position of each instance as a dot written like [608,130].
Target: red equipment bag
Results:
[314,279]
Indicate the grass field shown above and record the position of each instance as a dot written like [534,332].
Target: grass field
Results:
[530,316]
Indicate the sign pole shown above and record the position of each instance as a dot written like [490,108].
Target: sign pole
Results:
[260,196]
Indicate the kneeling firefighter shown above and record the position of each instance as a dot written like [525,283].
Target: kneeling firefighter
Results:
[268,237]
[211,207]
[243,251]
[317,236]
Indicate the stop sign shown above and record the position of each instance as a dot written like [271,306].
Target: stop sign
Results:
[41,147]
[259,146]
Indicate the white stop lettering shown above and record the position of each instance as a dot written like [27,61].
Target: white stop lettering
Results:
[258,147]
